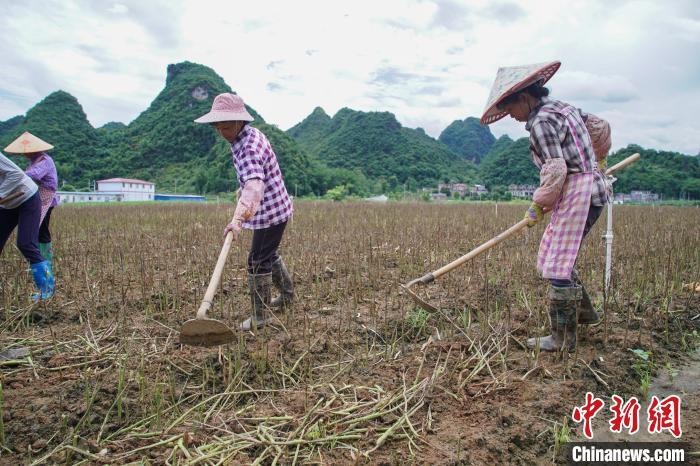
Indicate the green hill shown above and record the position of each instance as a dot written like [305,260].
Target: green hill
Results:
[364,152]
[112,126]
[164,137]
[163,144]
[508,162]
[312,129]
[468,138]
[60,120]
[377,146]
[670,174]
[10,126]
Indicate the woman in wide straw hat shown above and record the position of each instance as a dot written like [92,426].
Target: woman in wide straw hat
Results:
[42,170]
[263,206]
[20,206]
[571,187]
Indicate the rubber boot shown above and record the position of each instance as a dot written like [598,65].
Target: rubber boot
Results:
[46,251]
[43,279]
[563,303]
[586,314]
[259,285]
[283,282]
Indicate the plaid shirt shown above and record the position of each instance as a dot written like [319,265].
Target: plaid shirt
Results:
[551,137]
[253,157]
[43,171]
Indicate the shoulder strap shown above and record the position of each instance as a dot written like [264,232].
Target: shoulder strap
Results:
[566,113]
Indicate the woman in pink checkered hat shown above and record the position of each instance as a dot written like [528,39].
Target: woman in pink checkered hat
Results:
[571,187]
[263,206]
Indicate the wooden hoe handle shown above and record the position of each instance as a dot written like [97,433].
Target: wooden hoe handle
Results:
[427,278]
[632,158]
[215,278]
[483,248]
[472,254]
[12,196]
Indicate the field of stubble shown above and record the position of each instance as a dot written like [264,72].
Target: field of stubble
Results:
[354,372]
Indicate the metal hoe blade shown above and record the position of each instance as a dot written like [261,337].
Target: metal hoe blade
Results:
[425,279]
[418,300]
[205,332]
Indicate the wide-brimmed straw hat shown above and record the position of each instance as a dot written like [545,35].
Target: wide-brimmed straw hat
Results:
[27,143]
[226,107]
[511,79]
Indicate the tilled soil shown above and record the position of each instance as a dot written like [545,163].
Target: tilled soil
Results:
[107,382]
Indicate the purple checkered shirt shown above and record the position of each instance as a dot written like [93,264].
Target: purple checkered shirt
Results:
[550,137]
[43,171]
[253,157]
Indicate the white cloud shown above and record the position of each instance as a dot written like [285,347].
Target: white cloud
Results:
[428,61]
[119,8]
[580,86]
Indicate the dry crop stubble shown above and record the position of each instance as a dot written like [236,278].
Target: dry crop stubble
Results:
[352,371]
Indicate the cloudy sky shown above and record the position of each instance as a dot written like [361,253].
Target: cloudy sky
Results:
[429,62]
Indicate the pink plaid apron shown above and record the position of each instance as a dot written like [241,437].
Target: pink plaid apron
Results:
[46,196]
[562,237]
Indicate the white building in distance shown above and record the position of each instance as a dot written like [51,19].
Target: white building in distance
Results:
[68,197]
[639,197]
[524,191]
[479,189]
[130,189]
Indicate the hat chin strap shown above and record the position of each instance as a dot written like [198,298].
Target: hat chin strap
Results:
[529,98]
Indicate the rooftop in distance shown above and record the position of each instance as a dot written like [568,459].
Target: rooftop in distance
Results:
[123,180]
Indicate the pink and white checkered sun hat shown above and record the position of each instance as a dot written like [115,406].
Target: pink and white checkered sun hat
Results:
[226,107]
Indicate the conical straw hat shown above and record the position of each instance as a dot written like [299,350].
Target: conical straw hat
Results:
[27,143]
[511,79]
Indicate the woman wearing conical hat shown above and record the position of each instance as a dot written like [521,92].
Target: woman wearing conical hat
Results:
[20,206]
[42,170]
[571,187]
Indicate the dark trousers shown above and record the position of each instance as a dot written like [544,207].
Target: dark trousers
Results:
[26,218]
[263,250]
[44,232]
[593,213]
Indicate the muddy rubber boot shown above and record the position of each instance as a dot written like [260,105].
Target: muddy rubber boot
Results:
[586,314]
[563,303]
[283,282]
[259,286]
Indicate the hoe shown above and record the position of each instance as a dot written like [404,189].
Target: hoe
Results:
[430,277]
[203,331]
[12,196]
